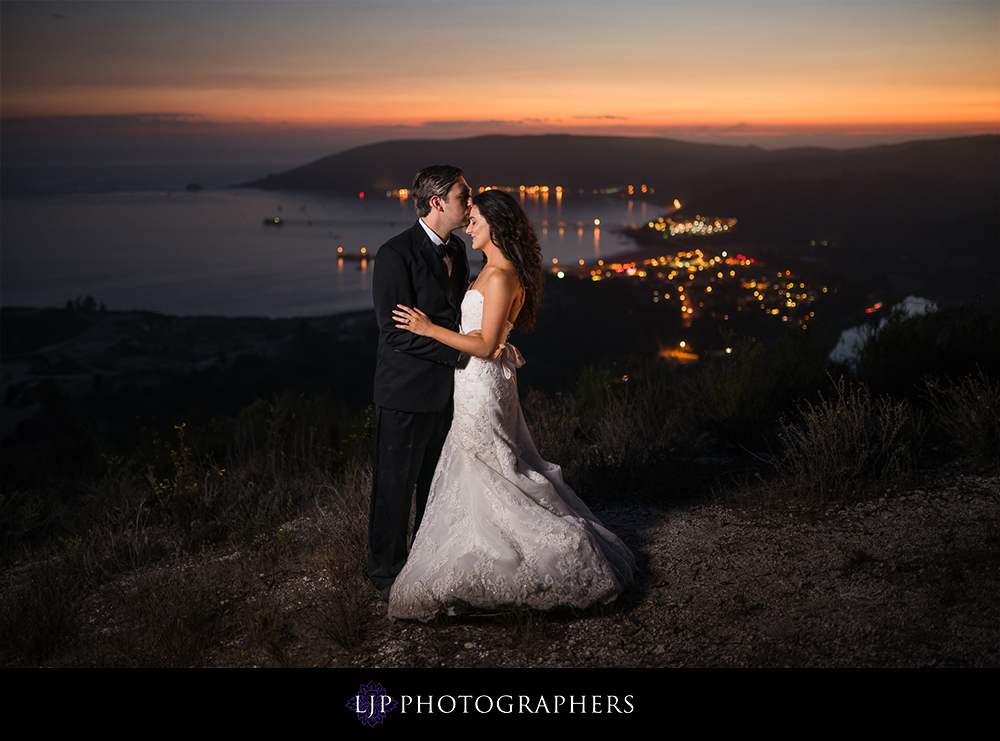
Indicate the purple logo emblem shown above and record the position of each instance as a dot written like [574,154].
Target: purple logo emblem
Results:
[371,704]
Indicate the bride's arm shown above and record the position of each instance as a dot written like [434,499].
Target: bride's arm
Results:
[498,296]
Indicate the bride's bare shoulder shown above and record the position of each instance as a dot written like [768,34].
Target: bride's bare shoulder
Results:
[503,292]
[497,279]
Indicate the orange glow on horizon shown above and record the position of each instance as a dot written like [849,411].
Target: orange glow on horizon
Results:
[713,69]
[927,119]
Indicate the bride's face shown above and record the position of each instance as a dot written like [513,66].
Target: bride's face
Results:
[478,229]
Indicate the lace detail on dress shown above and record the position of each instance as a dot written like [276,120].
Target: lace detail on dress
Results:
[501,527]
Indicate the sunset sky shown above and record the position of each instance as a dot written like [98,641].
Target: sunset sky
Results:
[337,74]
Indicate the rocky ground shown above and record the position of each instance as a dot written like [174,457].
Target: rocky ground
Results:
[908,580]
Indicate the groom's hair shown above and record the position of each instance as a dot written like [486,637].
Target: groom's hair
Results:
[435,180]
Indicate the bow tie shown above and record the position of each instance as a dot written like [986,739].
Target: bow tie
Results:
[446,252]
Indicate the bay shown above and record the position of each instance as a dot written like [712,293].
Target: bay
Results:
[209,252]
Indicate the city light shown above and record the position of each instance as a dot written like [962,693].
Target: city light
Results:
[701,289]
[698,226]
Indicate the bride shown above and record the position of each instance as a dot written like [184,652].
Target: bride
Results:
[501,528]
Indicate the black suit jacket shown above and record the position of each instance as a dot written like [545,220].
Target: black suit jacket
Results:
[414,373]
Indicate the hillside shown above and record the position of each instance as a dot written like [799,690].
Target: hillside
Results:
[588,162]
[571,161]
[905,214]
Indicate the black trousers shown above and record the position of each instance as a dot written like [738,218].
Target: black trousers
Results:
[407,448]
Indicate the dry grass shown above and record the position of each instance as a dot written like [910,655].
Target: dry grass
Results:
[848,445]
[167,557]
[343,619]
[968,411]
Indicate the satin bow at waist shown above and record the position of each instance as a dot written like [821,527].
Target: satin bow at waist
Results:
[510,359]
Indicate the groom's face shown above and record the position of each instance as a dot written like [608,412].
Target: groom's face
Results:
[457,204]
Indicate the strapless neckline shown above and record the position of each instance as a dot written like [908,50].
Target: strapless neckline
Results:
[510,324]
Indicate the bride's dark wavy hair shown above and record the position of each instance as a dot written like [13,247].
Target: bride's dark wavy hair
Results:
[512,233]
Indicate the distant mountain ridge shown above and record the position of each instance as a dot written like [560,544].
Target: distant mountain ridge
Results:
[921,215]
[588,162]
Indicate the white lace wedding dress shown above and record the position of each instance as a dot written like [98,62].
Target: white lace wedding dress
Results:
[501,528]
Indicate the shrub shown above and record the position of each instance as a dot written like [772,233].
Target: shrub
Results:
[554,424]
[638,437]
[622,432]
[593,385]
[848,445]
[39,614]
[952,342]
[742,395]
[170,617]
[969,413]
[345,617]
[735,394]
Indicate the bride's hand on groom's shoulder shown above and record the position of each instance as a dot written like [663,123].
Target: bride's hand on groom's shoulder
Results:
[412,320]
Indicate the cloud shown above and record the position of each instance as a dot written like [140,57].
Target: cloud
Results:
[741,127]
[132,122]
[603,118]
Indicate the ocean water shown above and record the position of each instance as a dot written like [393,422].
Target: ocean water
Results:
[135,239]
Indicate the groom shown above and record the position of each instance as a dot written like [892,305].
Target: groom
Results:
[425,267]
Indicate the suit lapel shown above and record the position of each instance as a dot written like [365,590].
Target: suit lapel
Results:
[434,263]
[459,273]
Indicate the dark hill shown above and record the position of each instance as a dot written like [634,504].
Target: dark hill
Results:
[682,168]
[934,204]
[914,216]
[554,159]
